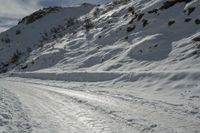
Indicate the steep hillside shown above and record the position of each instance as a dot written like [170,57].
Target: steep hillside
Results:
[36,30]
[120,36]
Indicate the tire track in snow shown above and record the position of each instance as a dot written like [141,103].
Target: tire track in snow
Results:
[100,111]
[166,114]
[78,116]
[13,118]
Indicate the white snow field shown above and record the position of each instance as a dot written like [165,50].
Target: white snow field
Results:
[60,106]
[129,66]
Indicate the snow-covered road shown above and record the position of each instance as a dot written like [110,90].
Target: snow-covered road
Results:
[51,107]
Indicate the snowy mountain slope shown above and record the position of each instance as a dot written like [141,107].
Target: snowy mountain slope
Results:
[30,33]
[119,41]
[145,48]
[124,37]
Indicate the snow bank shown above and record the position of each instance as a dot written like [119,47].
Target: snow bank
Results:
[168,76]
[71,76]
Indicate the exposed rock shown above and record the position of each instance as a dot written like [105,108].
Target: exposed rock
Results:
[197,21]
[171,3]
[130,28]
[171,22]
[153,11]
[145,22]
[140,16]
[196,39]
[188,19]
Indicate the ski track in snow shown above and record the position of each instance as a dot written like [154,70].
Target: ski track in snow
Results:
[55,109]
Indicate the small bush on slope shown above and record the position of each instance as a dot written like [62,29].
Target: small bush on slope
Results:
[18,32]
[70,22]
[190,10]
[15,57]
[7,40]
[88,24]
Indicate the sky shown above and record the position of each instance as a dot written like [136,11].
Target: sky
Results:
[11,11]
